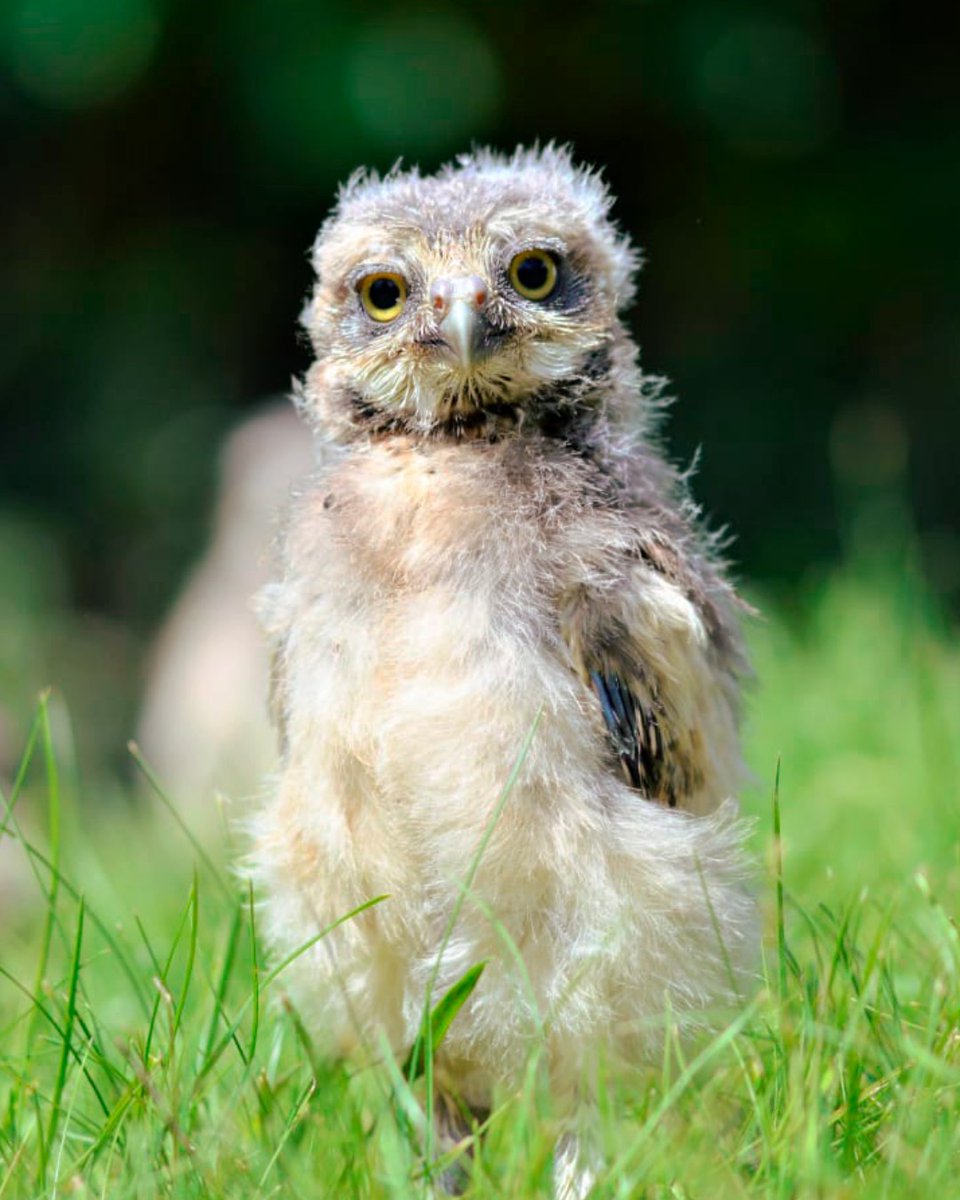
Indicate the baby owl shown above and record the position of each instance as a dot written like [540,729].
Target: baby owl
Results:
[494,575]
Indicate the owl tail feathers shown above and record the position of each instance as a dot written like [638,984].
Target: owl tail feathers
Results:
[691,919]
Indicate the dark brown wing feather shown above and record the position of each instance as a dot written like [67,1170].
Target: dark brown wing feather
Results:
[636,735]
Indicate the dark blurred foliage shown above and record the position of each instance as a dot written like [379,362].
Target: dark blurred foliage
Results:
[792,171]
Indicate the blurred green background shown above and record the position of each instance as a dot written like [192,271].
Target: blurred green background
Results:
[791,170]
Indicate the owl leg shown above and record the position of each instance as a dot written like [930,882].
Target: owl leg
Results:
[574,1168]
[454,1121]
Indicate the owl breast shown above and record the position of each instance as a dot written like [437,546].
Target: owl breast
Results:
[432,707]
[435,645]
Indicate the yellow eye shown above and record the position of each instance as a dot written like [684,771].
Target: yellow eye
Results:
[383,295]
[534,274]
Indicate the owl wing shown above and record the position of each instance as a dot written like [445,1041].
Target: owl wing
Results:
[634,729]
[605,657]
[655,640]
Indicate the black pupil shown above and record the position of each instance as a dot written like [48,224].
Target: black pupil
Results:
[384,293]
[532,273]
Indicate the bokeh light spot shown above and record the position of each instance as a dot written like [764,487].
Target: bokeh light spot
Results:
[285,69]
[423,83]
[74,53]
[769,88]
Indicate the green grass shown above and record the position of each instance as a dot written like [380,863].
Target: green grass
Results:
[147,1050]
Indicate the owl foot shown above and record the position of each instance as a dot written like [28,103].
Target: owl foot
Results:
[573,1174]
[454,1123]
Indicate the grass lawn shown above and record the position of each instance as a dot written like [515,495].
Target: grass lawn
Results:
[147,1050]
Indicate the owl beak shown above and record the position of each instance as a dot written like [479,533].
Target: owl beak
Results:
[457,304]
[459,328]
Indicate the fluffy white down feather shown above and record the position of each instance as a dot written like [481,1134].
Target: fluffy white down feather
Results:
[417,653]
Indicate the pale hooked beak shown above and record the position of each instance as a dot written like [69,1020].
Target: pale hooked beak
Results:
[457,304]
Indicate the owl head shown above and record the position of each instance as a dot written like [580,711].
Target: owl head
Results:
[486,295]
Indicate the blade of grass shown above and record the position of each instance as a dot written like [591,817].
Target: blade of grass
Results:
[191,957]
[220,992]
[404,1106]
[12,1167]
[513,950]
[69,1116]
[272,975]
[158,790]
[617,1169]
[312,941]
[255,975]
[26,758]
[110,1129]
[781,926]
[291,1122]
[735,989]
[162,975]
[440,1018]
[103,929]
[154,961]
[61,1077]
[53,833]
[51,1020]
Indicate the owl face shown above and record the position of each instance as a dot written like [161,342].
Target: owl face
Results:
[480,290]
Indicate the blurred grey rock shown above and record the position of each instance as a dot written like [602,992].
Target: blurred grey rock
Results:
[203,723]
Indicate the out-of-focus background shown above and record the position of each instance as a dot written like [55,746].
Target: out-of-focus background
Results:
[791,170]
